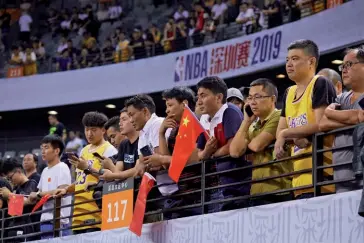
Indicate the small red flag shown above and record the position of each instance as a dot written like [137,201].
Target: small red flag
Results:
[140,204]
[15,204]
[190,129]
[42,201]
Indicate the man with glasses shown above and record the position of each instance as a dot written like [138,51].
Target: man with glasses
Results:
[256,133]
[303,107]
[345,112]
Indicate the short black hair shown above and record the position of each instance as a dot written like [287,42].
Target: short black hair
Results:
[216,85]
[268,86]
[332,75]
[10,165]
[181,94]
[124,110]
[141,101]
[55,141]
[308,46]
[94,119]
[113,122]
[359,52]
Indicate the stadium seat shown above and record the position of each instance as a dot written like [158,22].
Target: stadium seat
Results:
[9,154]
[37,152]
[21,154]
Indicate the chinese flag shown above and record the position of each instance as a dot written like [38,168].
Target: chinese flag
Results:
[15,205]
[140,204]
[189,130]
[42,201]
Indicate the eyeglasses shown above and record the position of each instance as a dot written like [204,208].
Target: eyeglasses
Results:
[347,65]
[257,97]
[10,178]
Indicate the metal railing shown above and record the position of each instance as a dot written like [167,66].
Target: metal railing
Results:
[199,199]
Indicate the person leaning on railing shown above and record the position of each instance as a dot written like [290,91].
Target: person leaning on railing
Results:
[24,186]
[255,134]
[347,111]
[224,121]
[56,175]
[303,106]
[88,170]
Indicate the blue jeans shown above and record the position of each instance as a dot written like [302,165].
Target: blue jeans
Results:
[49,235]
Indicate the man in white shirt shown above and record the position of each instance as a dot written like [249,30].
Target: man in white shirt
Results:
[246,17]
[141,109]
[218,10]
[75,144]
[115,12]
[25,22]
[54,176]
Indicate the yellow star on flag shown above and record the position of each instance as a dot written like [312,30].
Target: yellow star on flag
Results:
[185,121]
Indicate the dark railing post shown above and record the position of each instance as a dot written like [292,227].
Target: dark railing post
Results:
[317,160]
[203,182]
[2,224]
[56,216]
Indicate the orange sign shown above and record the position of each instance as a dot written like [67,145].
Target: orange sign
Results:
[117,204]
[14,72]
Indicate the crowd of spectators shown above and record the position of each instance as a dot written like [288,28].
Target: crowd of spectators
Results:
[242,125]
[188,26]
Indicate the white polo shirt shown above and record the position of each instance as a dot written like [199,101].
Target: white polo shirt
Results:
[149,135]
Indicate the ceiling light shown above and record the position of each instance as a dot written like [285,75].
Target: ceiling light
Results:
[337,62]
[110,106]
[281,76]
[52,112]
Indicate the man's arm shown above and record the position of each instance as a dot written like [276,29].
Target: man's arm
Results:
[306,130]
[240,142]
[327,124]
[348,117]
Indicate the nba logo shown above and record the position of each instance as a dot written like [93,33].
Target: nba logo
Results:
[179,68]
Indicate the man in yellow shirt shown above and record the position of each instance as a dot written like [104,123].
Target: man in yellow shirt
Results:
[303,106]
[88,167]
[256,133]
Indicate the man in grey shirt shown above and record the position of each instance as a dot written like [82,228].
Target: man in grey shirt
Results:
[346,112]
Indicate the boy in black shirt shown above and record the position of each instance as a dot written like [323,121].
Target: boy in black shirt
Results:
[24,186]
[127,152]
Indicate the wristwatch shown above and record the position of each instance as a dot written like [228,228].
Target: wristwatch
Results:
[38,195]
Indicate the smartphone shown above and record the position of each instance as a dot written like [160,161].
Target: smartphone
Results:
[337,107]
[71,154]
[97,155]
[146,151]
[249,111]
[361,103]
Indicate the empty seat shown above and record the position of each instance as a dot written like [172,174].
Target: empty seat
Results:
[9,154]
[37,152]
[21,154]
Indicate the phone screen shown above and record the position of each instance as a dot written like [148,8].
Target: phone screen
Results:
[70,154]
[249,111]
[97,155]
[146,151]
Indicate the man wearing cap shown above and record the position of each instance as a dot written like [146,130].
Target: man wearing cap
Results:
[235,97]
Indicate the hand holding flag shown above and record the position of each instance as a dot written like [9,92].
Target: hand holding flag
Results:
[189,130]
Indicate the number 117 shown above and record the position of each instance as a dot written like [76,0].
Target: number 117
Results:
[116,206]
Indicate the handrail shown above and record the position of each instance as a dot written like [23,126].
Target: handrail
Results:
[201,202]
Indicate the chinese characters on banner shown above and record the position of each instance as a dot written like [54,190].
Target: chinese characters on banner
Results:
[230,57]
